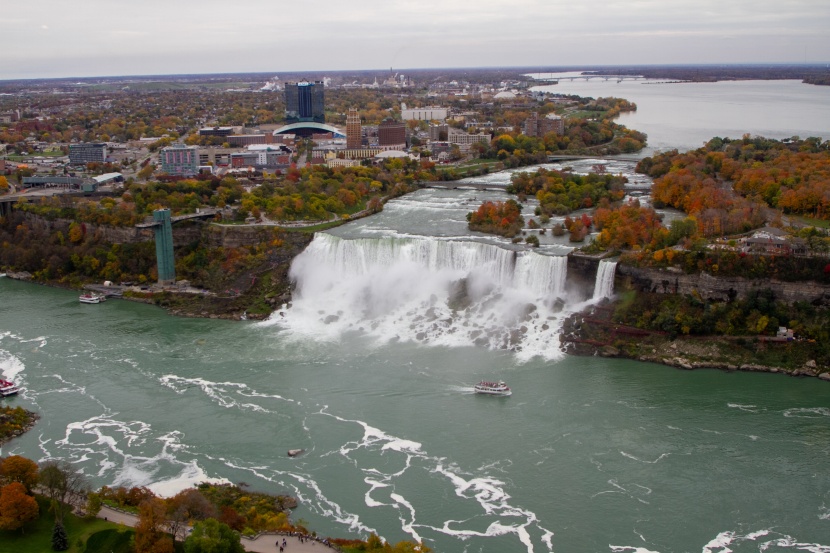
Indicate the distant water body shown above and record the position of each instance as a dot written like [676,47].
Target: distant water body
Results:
[687,115]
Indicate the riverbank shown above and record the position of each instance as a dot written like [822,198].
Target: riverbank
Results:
[15,421]
[593,333]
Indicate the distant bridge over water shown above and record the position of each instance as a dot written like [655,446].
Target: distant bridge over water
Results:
[563,157]
[618,78]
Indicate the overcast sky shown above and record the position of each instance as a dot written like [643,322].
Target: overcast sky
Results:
[60,38]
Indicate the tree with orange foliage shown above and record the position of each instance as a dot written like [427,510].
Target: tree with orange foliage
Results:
[16,508]
[503,218]
[150,535]
[19,469]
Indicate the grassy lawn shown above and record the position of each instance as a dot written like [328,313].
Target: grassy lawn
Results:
[37,536]
[819,223]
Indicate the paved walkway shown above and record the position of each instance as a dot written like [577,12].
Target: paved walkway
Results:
[266,543]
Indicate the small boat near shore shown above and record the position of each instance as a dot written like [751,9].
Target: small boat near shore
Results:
[499,388]
[91,298]
[7,388]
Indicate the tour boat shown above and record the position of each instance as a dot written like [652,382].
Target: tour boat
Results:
[493,388]
[91,298]
[7,388]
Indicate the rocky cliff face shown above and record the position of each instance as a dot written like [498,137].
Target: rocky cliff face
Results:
[228,236]
[713,288]
[582,270]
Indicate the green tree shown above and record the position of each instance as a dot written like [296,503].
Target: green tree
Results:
[211,536]
[60,541]
[94,502]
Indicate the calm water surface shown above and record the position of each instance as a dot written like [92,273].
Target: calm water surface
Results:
[687,115]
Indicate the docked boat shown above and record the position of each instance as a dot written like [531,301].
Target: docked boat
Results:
[91,298]
[7,388]
[493,388]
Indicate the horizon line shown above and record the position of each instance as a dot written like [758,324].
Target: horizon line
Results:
[548,68]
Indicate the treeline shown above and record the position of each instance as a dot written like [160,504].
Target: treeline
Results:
[735,264]
[729,186]
[760,314]
[581,136]
[82,255]
[559,192]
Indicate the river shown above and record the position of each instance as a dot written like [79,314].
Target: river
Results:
[687,115]
[371,371]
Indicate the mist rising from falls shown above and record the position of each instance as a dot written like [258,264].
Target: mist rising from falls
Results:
[604,285]
[430,291]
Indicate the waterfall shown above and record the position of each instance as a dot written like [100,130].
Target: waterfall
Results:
[430,291]
[604,285]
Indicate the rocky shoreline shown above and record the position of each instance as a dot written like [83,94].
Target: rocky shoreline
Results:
[592,333]
[6,418]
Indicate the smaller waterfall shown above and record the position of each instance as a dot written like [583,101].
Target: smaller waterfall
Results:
[604,285]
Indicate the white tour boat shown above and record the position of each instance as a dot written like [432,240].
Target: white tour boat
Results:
[493,388]
[91,298]
[7,388]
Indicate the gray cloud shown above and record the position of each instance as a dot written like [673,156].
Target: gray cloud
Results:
[54,38]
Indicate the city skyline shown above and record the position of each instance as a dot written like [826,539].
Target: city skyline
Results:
[56,39]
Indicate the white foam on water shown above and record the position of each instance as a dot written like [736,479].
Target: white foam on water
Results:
[623,548]
[662,456]
[10,366]
[374,485]
[488,492]
[808,412]
[222,393]
[191,475]
[108,443]
[407,527]
[747,408]
[303,483]
[722,542]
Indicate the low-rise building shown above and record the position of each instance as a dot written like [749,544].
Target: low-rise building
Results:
[216,131]
[91,152]
[465,140]
[431,113]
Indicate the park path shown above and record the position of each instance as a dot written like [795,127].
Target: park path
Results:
[264,543]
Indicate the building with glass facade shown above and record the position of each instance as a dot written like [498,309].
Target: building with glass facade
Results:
[305,102]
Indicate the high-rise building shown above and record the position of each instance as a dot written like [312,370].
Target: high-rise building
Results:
[392,134]
[534,126]
[81,154]
[305,102]
[180,160]
[354,136]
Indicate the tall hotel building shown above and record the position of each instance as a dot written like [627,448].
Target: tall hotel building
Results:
[180,160]
[354,137]
[392,134]
[305,102]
